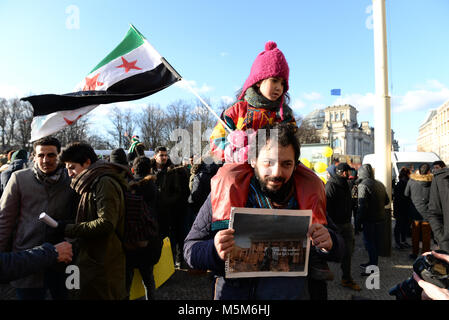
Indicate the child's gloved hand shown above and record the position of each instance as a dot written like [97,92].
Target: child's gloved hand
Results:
[236,150]
[238,138]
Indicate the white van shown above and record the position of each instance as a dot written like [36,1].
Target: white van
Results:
[411,160]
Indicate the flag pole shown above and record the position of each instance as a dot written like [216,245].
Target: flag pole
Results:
[177,75]
[208,107]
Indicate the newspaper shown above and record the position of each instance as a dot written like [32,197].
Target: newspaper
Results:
[269,243]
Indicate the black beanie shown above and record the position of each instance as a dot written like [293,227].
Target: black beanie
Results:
[118,156]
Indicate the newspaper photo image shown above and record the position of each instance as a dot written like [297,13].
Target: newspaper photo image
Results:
[269,243]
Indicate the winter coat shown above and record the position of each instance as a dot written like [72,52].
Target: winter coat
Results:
[401,203]
[339,200]
[15,265]
[6,175]
[25,197]
[418,189]
[101,258]
[438,208]
[372,197]
[243,116]
[172,184]
[201,185]
[200,252]
[146,187]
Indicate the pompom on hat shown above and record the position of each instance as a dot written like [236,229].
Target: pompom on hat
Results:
[269,63]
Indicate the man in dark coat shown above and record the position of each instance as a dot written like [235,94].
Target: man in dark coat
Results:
[270,181]
[372,199]
[339,209]
[140,258]
[402,207]
[438,209]
[172,184]
[418,189]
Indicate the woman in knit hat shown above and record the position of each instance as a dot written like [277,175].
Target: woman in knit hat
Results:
[263,100]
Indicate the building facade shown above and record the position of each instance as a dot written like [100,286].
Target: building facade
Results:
[338,127]
[434,133]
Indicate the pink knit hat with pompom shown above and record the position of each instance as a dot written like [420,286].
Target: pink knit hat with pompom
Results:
[269,63]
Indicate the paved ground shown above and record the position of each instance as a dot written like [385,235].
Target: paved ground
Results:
[393,270]
[187,285]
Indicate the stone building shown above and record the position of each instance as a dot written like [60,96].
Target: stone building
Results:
[338,127]
[434,132]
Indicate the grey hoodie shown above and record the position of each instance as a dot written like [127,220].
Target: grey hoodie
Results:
[372,196]
[418,190]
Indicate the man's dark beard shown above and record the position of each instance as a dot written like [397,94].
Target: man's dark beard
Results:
[279,195]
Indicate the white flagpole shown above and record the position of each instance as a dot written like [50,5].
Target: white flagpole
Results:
[186,83]
[207,106]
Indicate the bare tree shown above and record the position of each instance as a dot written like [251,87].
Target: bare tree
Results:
[4,110]
[202,124]
[178,116]
[307,133]
[151,122]
[23,135]
[13,115]
[118,119]
[99,142]
[75,132]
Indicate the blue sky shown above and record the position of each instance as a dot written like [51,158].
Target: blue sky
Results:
[49,46]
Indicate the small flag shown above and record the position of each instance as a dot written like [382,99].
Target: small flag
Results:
[336,92]
[133,70]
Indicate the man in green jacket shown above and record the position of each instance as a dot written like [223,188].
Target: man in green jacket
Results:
[99,224]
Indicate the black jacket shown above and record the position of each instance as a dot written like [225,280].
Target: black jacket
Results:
[201,185]
[172,183]
[438,209]
[401,203]
[16,265]
[338,200]
[372,197]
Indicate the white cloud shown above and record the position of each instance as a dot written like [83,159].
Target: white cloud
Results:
[184,84]
[429,95]
[227,99]
[421,99]
[224,54]
[362,102]
[9,92]
[298,104]
[312,96]
[431,85]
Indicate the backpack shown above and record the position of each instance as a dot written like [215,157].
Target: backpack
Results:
[141,228]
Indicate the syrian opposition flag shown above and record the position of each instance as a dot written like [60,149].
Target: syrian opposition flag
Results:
[133,70]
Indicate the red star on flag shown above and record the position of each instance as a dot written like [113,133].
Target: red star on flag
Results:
[128,65]
[92,83]
[70,122]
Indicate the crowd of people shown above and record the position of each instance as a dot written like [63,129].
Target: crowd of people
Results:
[192,204]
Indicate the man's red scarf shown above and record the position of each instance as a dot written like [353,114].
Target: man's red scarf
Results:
[230,187]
